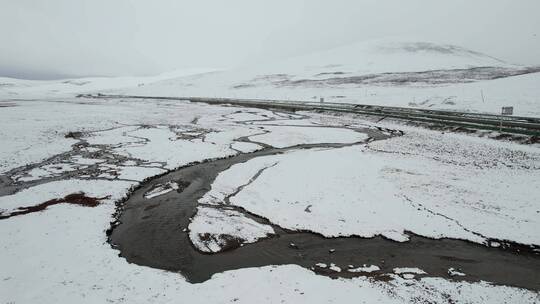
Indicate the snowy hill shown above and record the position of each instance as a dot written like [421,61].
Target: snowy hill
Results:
[396,72]
[21,88]
[384,71]
[389,55]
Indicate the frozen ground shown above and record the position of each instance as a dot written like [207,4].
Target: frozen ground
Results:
[60,254]
[430,184]
[212,228]
[65,162]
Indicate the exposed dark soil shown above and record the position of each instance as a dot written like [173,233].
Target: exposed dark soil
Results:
[74,135]
[75,198]
[432,77]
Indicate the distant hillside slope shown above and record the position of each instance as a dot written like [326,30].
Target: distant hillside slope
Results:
[385,55]
[395,72]
[384,71]
[22,88]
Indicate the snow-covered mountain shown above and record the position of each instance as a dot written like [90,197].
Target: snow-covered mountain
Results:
[399,72]
[387,55]
[22,88]
[384,71]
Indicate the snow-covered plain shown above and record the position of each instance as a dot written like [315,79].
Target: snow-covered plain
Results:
[280,137]
[66,260]
[430,184]
[60,254]
[426,182]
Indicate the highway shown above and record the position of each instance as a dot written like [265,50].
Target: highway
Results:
[478,121]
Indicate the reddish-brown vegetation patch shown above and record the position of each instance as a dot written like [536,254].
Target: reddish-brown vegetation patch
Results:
[75,198]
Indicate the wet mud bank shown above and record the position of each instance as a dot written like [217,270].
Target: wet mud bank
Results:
[153,232]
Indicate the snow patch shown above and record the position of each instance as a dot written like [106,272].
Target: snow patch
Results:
[213,230]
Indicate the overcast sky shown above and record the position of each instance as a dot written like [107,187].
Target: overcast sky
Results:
[56,38]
